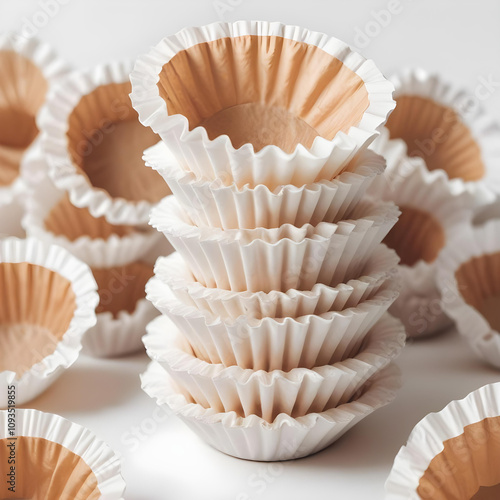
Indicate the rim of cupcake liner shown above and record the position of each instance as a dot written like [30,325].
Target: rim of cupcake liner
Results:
[152,108]
[60,261]
[53,123]
[97,455]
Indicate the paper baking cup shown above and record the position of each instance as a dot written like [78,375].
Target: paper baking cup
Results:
[381,266]
[433,211]
[27,69]
[268,394]
[452,454]
[11,214]
[257,103]
[274,343]
[252,438]
[468,278]
[48,303]
[448,128]
[276,259]
[210,203]
[94,145]
[55,458]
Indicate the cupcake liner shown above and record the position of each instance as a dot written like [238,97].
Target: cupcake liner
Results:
[433,210]
[49,302]
[252,438]
[209,203]
[11,214]
[56,458]
[94,143]
[274,343]
[452,454]
[449,129]
[380,266]
[276,259]
[467,277]
[262,124]
[487,212]
[27,68]
[268,394]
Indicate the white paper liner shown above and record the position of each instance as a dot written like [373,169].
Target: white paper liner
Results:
[487,212]
[210,203]
[101,459]
[269,343]
[53,123]
[113,251]
[11,214]
[42,374]
[51,67]
[120,335]
[267,394]
[470,243]
[409,184]
[276,259]
[252,438]
[484,129]
[427,439]
[380,266]
[218,159]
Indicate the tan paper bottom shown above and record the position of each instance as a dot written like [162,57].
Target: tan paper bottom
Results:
[121,287]
[478,283]
[438,135]
[467,462]
[45,470]
[106,142]
[36,309]
[416,236]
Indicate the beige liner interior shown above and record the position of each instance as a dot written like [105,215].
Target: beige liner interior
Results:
[72,222]
[437,134]
[22,92]
[47,470]
[36,308]
[478,283]
[106,142]
[467,468]
[121,287]
[263,90]
[416,236]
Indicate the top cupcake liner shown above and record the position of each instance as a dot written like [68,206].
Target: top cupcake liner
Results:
[23,95]
[99,476]
[218,158]
[480,128]
[34,380]
[210,203]
[58,119]
[465,436]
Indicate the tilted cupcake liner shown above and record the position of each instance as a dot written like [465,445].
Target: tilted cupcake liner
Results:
[209,203]
[452,453]
[274,343]
[328,132]
[433,210]
[119,335]
[56,458]
[467,277]
[28,68]
[51,217]
[280,258]
[268,394]
[46,270]
[380,266]
[287,438]
[94,143]
[450,129]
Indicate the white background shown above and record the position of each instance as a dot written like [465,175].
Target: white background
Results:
[458,39]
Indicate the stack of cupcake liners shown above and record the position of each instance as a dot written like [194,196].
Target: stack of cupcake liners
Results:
[28,70]
[84,196]
[274,337]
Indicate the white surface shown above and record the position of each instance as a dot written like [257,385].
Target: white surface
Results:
[459,39]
